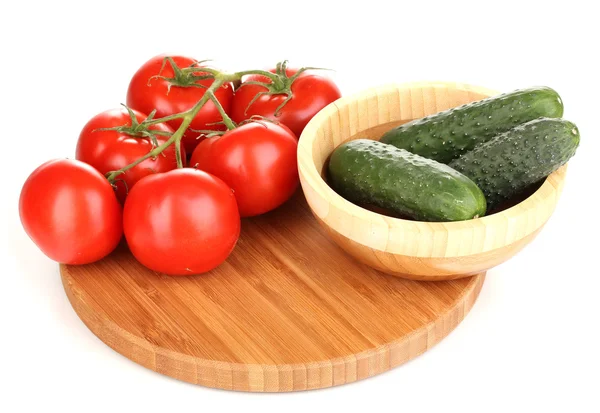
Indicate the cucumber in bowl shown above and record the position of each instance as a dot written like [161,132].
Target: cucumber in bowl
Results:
[364,171]
[446,135]
[506,165]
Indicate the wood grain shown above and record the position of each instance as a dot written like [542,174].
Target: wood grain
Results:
[287,311]
[412,249]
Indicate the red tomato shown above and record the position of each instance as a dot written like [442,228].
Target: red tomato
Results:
[181,222]
[70,212]
[111,150]
[147,93]
[257,160]
[310,94]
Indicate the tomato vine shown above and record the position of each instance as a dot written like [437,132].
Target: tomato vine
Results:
[279,83]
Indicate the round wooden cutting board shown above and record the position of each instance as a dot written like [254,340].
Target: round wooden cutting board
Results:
[287,311]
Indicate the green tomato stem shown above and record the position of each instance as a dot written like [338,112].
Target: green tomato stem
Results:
[165,119]
[178,154]
[226,119]
[111,176]
[187,117]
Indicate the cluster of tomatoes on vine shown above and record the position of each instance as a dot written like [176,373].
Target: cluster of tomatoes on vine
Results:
[174,171]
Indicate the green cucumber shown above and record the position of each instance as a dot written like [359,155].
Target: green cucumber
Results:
[522,156]
[447,135]
[370,172]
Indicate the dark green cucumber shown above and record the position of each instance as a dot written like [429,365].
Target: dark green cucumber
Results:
[447,135]
[515,159]
[369,172]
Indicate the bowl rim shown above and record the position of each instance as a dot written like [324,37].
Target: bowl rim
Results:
[544,197]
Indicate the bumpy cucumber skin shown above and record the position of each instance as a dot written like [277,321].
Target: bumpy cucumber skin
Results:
[512,161]
[369,172]
[447,135]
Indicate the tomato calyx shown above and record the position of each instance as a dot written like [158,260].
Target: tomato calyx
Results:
[137,129]
[186,77]
[280,84]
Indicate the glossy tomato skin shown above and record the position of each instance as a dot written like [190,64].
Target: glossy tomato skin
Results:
[311,93]
[146,93]
[181,222]
[257,160]
[111,150]
[70,212]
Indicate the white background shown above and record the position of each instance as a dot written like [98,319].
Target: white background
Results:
[530,342]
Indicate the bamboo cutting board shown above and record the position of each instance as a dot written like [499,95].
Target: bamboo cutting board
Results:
[287,311]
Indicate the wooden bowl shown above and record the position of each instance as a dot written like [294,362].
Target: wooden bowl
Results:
[405,248]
